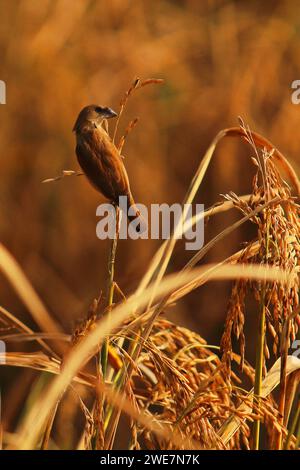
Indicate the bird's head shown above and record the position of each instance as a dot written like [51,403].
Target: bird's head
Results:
[92,116]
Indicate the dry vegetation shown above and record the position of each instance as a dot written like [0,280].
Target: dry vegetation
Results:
[128,375]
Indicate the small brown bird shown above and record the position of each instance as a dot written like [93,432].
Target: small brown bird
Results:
[100,159]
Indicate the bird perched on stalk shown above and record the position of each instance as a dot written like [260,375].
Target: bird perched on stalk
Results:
[100,159]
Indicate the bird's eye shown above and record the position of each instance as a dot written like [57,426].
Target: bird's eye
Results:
[99,109]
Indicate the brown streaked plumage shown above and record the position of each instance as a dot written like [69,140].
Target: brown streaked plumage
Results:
[99,158]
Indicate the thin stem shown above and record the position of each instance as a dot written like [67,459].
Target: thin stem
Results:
[283,378]
[103,371]
[260,345]
[110,289]
[296,420]
[259,365]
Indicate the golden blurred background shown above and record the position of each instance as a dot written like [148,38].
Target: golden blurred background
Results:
[219,59]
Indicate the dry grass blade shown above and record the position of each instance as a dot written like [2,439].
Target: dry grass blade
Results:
[233,259]
[198,256]
[263,143]
[63,175]
[22,327]
[193,188]
[39,361]
[23,337]
[25,291]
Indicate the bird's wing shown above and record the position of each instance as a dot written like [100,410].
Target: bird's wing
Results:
[101,162]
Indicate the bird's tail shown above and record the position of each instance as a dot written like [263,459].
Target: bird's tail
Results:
[135,215]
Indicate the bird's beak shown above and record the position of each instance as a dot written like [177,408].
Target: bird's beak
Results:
[109,113]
